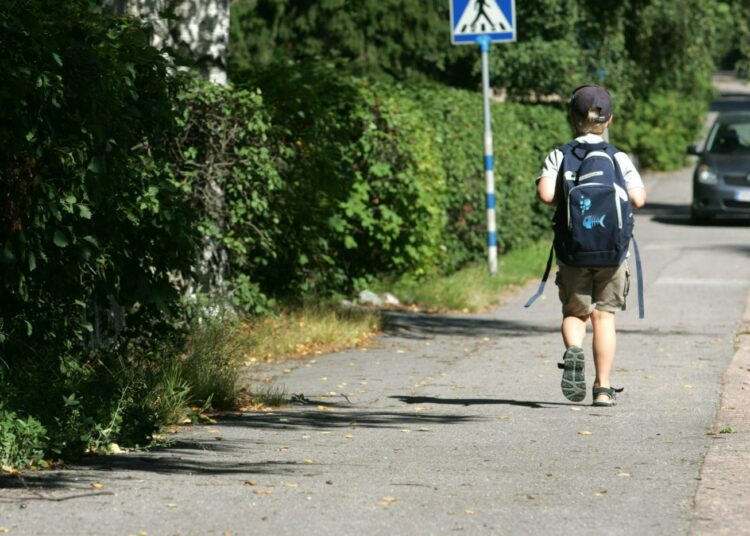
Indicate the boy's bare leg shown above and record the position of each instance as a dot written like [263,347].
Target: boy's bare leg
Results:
[574,330]
[605,344]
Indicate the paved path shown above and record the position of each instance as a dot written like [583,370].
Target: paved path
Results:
[456,424]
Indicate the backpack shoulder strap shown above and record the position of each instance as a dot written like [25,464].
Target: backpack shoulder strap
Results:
[540,290]
[639,274]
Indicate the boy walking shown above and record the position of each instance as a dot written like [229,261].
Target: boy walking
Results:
[589,292]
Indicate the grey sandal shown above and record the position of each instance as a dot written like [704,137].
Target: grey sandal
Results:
[573,382]
[611,395]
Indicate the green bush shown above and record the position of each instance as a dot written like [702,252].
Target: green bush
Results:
[523,135]
[92,230]
[387,179]
[223,163]
[22,441]
[361,194]
[659,129]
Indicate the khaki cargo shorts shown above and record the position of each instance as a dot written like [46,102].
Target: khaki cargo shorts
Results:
[582,290]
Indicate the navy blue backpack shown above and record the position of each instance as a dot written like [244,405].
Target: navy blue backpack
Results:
[593,222]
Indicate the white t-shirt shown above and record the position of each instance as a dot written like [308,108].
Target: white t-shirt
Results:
[554,160]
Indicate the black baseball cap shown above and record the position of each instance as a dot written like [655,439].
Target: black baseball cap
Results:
[590,96]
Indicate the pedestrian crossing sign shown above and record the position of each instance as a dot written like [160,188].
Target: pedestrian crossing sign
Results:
[470,19]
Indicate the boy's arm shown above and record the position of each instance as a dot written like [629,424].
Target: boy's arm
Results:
[546,187]
[637,196]
[546,184]
[633,180]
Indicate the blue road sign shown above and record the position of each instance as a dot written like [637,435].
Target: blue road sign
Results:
[471,19]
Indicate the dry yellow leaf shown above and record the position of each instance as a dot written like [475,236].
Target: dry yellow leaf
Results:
[601,493]
[287,371]
[291,485]
[325,408]
[171,505]
[505,417]
[584,432]
[308,461]
[4,530]
[249,483]
[575,408]
[687,386]
[469,511]
[262,492]
[97,485]
[624,475]
[348,436]
[386,501]
[10,470]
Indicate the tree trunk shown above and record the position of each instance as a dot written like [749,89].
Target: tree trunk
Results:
[198,30]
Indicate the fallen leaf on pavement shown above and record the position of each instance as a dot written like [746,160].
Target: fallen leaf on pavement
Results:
[505,417]
[308,461]
[575,408]
[171,505]
[601,493]
[262,492]
[584,432]
[249,483]
[624,475]
[291,485]
[326,408]
[469,511]
[386,501]
[97,485]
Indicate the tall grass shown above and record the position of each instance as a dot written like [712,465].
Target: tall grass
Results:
[473,288]
[309,329]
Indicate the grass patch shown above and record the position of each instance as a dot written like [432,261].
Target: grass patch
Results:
[473,288]
[266,396]
[309,330]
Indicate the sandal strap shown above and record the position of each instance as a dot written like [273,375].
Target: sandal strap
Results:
[609,391]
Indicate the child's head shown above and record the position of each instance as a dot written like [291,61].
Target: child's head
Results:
[590,110]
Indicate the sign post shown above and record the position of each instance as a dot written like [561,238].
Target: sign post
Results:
[483,22]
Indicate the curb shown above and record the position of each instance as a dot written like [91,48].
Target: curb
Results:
[723,496]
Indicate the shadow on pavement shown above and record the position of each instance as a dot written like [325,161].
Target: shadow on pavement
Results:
[188,457]
[680,215]
[426,325]
[479,401]
[326,420]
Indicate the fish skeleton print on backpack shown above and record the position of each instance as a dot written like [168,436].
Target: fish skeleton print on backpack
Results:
[593,222]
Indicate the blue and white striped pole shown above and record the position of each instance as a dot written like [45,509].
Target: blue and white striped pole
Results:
[489,159]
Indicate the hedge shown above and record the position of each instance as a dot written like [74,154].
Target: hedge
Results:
[382,178]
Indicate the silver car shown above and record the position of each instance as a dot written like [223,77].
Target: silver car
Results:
[721,181]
